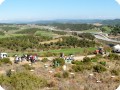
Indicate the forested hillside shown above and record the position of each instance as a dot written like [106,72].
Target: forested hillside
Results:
[74,27]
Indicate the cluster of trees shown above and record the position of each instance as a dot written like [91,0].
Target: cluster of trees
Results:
[60,32]
[74,27]
[116,30]
[88,36]
[34,30]
[31,42]
[28,31]
[7,28]
[21,43]
[75,42]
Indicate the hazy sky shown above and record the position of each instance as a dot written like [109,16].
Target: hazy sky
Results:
[58,9]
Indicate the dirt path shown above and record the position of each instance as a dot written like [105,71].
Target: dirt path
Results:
[51,41]
[81,57]
[51,58]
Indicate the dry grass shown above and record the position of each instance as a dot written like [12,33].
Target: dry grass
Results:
[81,81]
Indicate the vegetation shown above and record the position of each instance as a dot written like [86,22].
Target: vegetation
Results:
[115,72]
[65,74]
[29,40]
[86,60]
[2,33]
[22,81]
[106,29]
[99,68]
[74,42]
[60,32]
[103,63]
[113,57]
[86,64]
[116,30]
[28,31]
[74,27]
[44,33]
[7,28]
[44,60]
[5,61]
[58,75]
[59,61]
[86,36]
[20,43]
[27,67]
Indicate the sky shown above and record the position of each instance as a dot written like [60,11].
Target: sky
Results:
[59,9]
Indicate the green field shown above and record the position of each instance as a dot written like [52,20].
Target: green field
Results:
[75,51]
[11,35]
[71,50]
[91,30]
[44,33]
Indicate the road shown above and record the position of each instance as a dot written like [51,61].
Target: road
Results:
[98,35]
[102,37]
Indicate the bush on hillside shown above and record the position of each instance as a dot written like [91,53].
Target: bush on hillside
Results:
[27,67]
[2,33]
[81,68]
[65,74]
[103,63]
[86,59]
[44,60]
[58,75]
[114,57]
[60,61]
[99,68]
[5,61]
[115,72]
[77,62]
[22,81]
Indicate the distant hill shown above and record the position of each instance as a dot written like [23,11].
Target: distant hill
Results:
[81,21]
[72,21]
[111,22]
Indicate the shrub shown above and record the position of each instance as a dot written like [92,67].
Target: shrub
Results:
[60,61]
[44,60]
[22,81]
[94,59]
[51,84]
[5,61]
[65,74]
[2,33]
[27,67]
[115,72]
[48,54]
[86,59]
[9,73]
[77,68]
[87,36]
[99,68]
[114,57]
[103,63]
[57,75]
[77,62]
